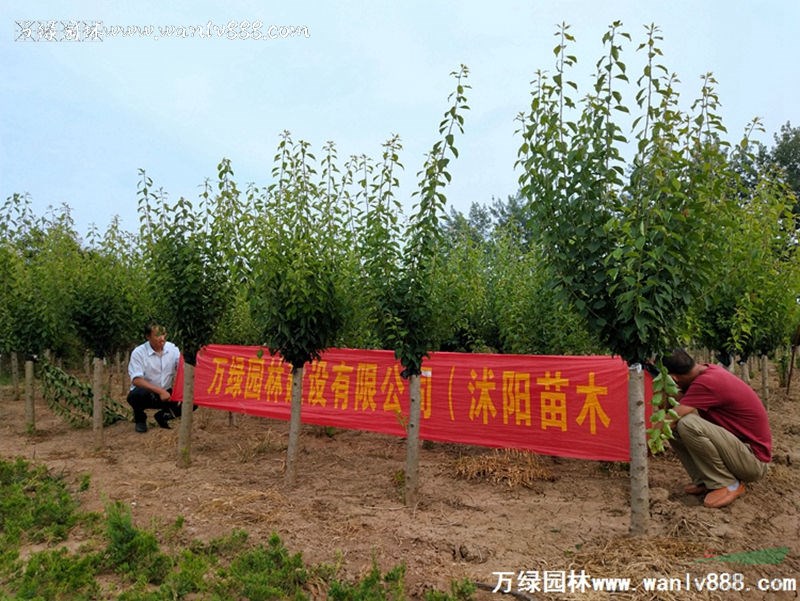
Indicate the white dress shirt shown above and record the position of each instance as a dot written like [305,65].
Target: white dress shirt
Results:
[158,369]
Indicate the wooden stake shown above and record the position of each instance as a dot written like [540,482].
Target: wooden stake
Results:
[30,410]
[15,375]
[187,410]
[97,403]
[791,368]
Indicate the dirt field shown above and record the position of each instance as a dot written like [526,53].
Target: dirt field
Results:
[481,512]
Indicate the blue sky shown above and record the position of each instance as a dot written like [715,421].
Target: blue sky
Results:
[79,119]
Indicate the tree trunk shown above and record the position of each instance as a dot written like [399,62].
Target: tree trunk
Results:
[97,403]
[412,442]
[117,371]
[640,492]
[791,368]
[15,375]
[30,410]
[765,380]
[124,380]
[187,411]
[294,426]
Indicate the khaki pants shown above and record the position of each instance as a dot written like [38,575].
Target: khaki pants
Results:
[712,455]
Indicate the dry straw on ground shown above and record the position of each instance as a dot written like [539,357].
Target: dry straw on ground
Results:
[510,467]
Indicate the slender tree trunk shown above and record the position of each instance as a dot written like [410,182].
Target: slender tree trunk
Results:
[116,371]
[15,375]
[765,380]
[791,368]
[125,384]
[187,411]
[412,443]
[97,403]
[30,408]
[640,492]
[108,375]
[294,426]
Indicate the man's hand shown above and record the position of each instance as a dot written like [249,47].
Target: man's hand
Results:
[682,410]
[162,393]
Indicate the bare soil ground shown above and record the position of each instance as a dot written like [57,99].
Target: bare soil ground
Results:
[481,511]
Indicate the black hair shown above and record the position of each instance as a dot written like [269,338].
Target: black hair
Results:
[679,362]
[150,326]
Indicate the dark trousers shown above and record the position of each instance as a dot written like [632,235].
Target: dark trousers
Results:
[140,399]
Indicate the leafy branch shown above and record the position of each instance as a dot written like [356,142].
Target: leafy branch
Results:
[665,392]
[412,331]
[73,399]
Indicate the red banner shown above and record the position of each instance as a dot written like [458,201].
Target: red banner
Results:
[569,406]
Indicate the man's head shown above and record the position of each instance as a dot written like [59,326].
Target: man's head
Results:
[680,366]
[156,335]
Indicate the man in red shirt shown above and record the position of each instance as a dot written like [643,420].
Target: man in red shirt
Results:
[722,437]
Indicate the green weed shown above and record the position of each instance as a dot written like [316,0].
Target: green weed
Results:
[132,552]
[189,577]
[459,591]
[373,587]
[35,507]
[57,575]
[226,546]
[265,573]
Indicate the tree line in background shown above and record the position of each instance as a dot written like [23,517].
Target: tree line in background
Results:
[692,241]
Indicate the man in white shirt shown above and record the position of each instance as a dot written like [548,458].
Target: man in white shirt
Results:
[152,368]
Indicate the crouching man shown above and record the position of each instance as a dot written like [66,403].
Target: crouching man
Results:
[152,368]
[723,437]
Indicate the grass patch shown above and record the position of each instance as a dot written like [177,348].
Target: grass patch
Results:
[35,508]
[57,575]
[132,552]
[264,573]
[373,587]
[127,563]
